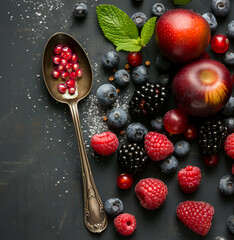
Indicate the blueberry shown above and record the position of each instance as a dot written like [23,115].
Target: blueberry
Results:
[110,60]
[140,74]
[136,132]
[226,185]
[139,19]
[230,223]
[113,207]
[210,18]
[162,63]
[157,123]
[107,94]
[181,148]
[122,77]
[169,165]
[164,79]
[230,30]
[117,118]
[220,8]
[229,58]
[158,9]
[80,10]
[228,109]
[229,123]
[220,238]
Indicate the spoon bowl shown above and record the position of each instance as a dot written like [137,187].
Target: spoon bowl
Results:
[95,218]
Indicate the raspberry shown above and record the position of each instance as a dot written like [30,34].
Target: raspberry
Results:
[105,143]
[196,215]
[151,192]
[229,145]
[189,178]
[157,146]
[125,224]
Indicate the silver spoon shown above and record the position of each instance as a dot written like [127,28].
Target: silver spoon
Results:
[94,216]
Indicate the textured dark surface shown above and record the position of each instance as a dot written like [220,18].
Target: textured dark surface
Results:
[40,175]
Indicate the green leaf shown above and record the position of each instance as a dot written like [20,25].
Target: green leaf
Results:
[131,45]
[181,2]
[117,27]
[148,30]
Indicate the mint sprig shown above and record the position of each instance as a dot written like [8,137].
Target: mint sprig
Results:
[118,27]
[181,2]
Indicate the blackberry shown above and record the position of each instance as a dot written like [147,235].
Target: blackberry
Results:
[132,158]
[148,100]
[212,134]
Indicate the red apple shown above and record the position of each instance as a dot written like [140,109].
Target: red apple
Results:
[182,35]
[202,88]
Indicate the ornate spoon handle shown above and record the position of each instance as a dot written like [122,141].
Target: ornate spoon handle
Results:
[94,216]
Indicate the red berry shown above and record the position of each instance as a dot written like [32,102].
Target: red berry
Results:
[62,88]
[211,161]
[72,90]
[157,146]
[72,75]
[219,43]
[66,50]
[190,133]
[75,66]
[74,58]
[67,55]
[63,62]
[55,73]
[70,83]
[151,192]
[134,58]
[229,145]
[196,215]
[69,67]
[79,73]
[60,68]
[56,59]
[232,169]
[58,49]
[105,143]
[125,224]
[124,180]
[175,121]
[189,178]
[64,75]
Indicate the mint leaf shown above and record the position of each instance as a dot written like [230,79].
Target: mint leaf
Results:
[117,27]
[181,2]
[147,30]
[131,45]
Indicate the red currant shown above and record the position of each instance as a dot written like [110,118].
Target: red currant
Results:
[58,49]
[219,43]
[175,121]
[124,180]
[211,161]
[190,133]
[62,88]
[134,58]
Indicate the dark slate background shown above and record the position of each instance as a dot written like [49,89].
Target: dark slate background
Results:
[40,174]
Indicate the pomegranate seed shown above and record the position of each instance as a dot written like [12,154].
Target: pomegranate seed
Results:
[67,55]
[124,180]
[65,75]
[56,59]
[75,66]
[60,68]
[74,58]
[62,88]
[211,161]
[72,75]
[70,83]
[58,49]
[69,67]
[66,49]
[63,62]
[72,90]
[79,72]
[219,43]
[56,73]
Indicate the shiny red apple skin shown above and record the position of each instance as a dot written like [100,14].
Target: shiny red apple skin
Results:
[202,88]
[182,35]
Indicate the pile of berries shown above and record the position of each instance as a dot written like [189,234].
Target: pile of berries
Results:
[67,69]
